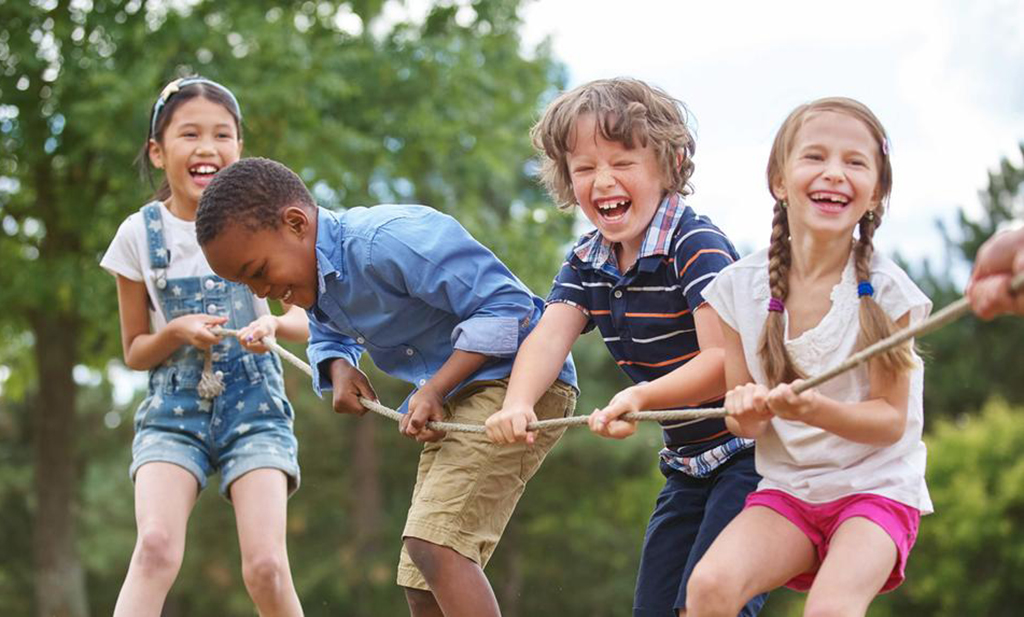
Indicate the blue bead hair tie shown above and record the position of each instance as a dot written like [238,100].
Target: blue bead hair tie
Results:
[864,288]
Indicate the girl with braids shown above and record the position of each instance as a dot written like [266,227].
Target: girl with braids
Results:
[843,488]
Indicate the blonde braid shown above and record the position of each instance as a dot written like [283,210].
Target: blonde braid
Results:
[875,324]
[778,367]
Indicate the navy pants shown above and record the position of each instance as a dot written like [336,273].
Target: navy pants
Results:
[687,518]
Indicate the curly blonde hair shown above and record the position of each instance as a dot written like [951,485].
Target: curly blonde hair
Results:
[628,111]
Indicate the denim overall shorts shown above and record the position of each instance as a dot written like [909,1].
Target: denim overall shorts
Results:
[249,425]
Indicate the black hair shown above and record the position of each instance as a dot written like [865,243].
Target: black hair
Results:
[164,109]
[250,192]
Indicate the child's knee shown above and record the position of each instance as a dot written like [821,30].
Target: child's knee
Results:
[264,572]
[710,591]
[157,551]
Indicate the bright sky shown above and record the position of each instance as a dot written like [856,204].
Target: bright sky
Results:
[944,77]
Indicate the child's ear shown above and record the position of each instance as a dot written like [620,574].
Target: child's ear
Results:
[296,220]
[778,189]
[156,154]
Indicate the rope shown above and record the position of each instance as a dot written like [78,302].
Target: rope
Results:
[937,320]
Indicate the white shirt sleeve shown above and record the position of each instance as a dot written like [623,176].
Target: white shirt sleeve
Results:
[123,256]
[719,293]
[897,294]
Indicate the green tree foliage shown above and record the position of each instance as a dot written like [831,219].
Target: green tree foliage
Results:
[367,108]
[970,361]
[969,558]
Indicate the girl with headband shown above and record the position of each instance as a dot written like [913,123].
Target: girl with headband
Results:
[215,404]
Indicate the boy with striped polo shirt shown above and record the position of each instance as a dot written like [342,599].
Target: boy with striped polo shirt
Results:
[621,151]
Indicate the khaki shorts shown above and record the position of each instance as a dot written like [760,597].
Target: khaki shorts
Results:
[466,486]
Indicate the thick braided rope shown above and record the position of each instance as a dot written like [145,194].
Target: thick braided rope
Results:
[947,315]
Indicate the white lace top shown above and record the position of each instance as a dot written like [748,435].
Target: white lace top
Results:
[808,462]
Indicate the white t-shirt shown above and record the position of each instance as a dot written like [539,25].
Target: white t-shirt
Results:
[128,255]
[808,462]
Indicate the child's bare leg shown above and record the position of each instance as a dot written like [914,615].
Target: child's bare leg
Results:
[860,559]
[261,500]
[758,551]
[164,496]
[422,603]
[459,585]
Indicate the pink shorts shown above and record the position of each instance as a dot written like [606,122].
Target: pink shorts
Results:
[820,521]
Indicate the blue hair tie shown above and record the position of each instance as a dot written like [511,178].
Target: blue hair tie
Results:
[864,288]
[173,87]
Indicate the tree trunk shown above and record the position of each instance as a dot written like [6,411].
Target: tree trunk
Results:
[59,579]
[367,515]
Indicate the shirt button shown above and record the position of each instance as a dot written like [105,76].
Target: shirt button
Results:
[209,283]
[211,308]
[423,382]
[360,340]
[409,352]
[618,293]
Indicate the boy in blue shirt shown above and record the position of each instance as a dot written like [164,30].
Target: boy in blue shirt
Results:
[621,151]
[433,307]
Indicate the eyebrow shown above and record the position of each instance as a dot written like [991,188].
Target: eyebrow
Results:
[219,125]
[821,146]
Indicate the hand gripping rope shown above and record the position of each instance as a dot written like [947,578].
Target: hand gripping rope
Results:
[950,313]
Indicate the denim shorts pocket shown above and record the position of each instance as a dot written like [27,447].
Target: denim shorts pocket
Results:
[271,382]
[141,411]
[278,399]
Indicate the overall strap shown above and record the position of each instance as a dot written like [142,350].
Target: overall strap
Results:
[159,256]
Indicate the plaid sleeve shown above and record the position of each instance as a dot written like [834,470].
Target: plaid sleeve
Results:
[700,253]
[567,288]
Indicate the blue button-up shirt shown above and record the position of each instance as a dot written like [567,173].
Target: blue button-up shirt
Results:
[409,285]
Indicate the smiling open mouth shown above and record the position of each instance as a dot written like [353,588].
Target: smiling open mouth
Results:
[204,171]
[829,202]
[614,209]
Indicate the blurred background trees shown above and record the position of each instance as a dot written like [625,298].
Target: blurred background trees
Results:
[372,107]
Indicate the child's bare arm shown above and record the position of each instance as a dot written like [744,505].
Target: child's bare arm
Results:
[292,325]
[878,420]
[144,350]
[537,366]
[744,400]
[426,404]
[699,380]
